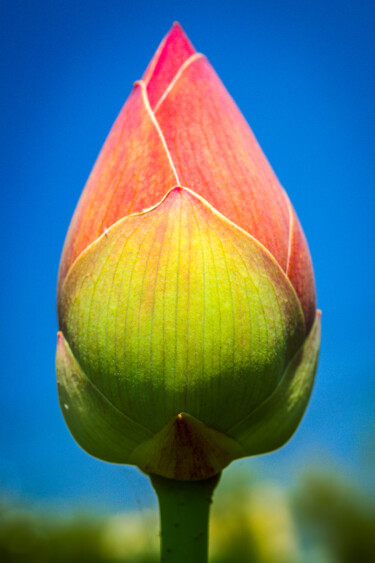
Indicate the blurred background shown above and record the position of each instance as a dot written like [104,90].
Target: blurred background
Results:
[303,75]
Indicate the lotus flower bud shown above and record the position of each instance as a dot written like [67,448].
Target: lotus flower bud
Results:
[186,302]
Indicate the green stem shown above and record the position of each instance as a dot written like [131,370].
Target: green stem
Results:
[184,514]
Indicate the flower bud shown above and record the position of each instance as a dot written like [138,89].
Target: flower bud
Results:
[186,300]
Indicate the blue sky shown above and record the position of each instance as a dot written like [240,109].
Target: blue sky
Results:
[303,75]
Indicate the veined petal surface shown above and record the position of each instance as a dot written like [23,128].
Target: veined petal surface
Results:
[180,126]
[132,158]
[178,310]
[215,153]
[275,421]
[95,423]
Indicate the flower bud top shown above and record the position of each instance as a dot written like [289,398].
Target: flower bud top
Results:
[191,120]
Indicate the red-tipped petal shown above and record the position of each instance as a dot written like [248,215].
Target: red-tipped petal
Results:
[180,126]
[174,50]
[132,157]
[215,152]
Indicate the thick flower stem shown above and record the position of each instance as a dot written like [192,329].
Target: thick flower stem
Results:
[184,515]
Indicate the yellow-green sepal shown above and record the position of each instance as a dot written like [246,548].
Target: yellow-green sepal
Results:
[95,423]
[274,422]
[178,310]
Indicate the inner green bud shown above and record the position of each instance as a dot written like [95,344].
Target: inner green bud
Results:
[176,310]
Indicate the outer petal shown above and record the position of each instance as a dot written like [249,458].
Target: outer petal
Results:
[275,421]
[95,423]
[132,173]
[300,270]
[215,152]
[180,309]
[133,164]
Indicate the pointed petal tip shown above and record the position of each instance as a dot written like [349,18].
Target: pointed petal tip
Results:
[185,449]
[317,322]
[173,51]
[181,195]
[177,32]
[174,194]
[175,191]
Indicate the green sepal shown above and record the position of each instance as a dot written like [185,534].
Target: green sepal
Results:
[274,422]
[98,427]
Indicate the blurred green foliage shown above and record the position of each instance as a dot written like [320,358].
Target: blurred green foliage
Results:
[323,519]
[338,516]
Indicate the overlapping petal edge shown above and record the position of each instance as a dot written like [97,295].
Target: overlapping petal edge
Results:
[180,125]
[262,429]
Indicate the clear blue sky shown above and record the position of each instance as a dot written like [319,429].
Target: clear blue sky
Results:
[303,75]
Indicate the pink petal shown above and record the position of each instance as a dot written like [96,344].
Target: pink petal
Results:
[174,50]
